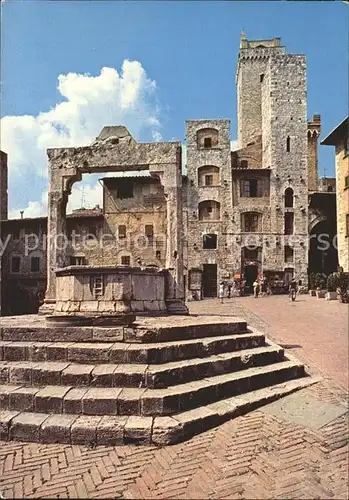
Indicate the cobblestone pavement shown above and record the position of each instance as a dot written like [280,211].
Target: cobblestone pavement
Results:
[254,456]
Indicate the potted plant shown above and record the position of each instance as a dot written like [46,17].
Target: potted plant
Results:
[312,286]
[343,288]
[333,283]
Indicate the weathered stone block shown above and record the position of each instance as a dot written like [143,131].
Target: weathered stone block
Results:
[138,429]
[100,401]
[84,430]
[72,401]
[110,431]
[50,399]
[22,399]
[6,417]
[77,375]
[166,430]
[26,427]
[56,429]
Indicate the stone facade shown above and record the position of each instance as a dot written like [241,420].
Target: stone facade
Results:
[3,206]
[339,138]
[238,213]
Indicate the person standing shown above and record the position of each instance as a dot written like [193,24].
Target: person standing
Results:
[221,291]
[255,288]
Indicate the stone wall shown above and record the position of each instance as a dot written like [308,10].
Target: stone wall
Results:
[342,192]
[3,207]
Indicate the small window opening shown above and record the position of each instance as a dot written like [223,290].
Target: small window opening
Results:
[261,78]
[207,142]
[125,260]
[244,164]
[158,254]
[209,242]
[288,144]
[122,232]
[78,261]
[149,232]
[125,190]
[15,264]
[208,180]
[35,264]
[330,189]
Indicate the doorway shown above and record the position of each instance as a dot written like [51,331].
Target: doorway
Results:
[209,280]
[250,274]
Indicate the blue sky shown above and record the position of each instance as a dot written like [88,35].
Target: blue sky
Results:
[188,48]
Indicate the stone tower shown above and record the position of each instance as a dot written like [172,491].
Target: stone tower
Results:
[272,111]
[314,130]
[209,202]
[251,68]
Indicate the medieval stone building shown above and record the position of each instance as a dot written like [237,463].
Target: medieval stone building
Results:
[246,212]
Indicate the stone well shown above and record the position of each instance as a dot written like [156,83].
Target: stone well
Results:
[110,291]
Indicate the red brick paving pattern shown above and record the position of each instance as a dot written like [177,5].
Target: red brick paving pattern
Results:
[255,456]
[319,326]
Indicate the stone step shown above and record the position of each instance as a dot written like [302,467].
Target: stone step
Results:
[135,375]
[146,330]
[119,430]
[145,402]
[120,352]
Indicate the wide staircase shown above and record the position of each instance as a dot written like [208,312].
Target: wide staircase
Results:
[158,382]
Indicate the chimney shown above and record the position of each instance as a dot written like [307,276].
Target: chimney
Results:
[21,212]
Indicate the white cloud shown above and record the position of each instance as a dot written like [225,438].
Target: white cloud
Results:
[33,209]
[91,102]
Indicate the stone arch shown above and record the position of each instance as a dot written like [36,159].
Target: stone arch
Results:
[115,150]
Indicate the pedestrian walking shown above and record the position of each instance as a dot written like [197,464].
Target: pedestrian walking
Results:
[221,291]
[256,288]
[229,289]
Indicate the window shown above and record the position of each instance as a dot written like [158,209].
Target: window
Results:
[209,241]
[78,261]
[288,144]
[251,222]
[149,232]
[207,137]
[243,164]
[15,264]
[97,286]
[91,232]
[346,181]
[346,146]
[251,253]
[289,198]
[208,175]
[35,264]
[16,234]
[347,225]
[209,210]
[261,78]
[288,254]
[288,223]
[207,142]
[122,232]
[125,189]
[251,188]
[208,180]
[125,260]
[158,254]
[330,189]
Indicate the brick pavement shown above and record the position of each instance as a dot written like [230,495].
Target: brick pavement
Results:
[316,330]
[254,456]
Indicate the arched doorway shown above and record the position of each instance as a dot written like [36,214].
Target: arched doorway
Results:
[323,255]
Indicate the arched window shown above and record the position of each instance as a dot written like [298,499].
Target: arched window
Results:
[209,210]
[288,144]
[251,222]
[208,176]
[330,189]
[207,138]
[289,198]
